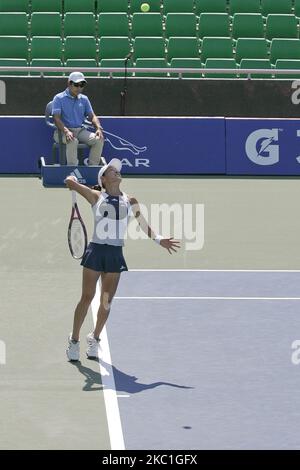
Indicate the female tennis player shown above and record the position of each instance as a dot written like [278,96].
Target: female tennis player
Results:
[104,256]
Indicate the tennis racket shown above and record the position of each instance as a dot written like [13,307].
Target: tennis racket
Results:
[77,235]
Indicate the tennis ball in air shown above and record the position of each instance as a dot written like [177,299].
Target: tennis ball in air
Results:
[145,7]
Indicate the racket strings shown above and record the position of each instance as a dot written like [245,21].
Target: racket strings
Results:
[77,238]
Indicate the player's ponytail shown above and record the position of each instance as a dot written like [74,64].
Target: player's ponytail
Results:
[97,187]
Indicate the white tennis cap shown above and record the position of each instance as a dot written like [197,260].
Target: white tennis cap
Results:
[76,77]
[115,162]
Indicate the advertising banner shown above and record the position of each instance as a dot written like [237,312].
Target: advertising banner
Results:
[263,147]
[145,145]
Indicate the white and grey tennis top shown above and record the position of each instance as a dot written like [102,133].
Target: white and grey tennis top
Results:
[111,215]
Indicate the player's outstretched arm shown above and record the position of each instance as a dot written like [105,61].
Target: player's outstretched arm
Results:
[169,243]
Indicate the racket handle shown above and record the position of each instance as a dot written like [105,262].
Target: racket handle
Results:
[73,197]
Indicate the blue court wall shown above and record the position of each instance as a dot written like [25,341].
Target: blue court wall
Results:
[153,145]
[145,145]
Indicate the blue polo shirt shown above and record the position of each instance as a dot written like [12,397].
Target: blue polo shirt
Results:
[72,110]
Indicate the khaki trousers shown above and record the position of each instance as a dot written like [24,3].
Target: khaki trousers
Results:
[84,136]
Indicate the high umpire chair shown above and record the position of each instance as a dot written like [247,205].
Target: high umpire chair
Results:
[60,146]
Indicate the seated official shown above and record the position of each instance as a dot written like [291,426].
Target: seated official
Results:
[70,108]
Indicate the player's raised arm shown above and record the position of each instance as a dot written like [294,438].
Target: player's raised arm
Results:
[89,194]
[169,243]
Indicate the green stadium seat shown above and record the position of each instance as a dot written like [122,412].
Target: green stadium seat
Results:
[187,47]
[181,24]
[13,63]
[48,5]
[79,5]
[115,63]
[297,8]
[244,6]
[276,6]
[46,47]
[216,48]
[109,6]
[14,5]
[256,64]
[149,24]
[247,25]
[79,24]
[281,26]
[210,6]
[220,64]
[46,24]
[80,63]
[13,47]
[178,6]
[214,24]
[186,64]
[151,63]
[80,47]
[46,63]
[114,47]
[251,48]
[113,24]
[288,64]
[284,49]
[149,47]
[135,6]
[13,24]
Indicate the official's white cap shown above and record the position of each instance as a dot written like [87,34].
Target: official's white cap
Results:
[76,77]
[115,162]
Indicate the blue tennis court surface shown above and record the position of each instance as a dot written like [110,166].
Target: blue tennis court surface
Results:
[202,359]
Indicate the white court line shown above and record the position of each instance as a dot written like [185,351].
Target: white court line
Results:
[219,270]
[205,298]
[109,387]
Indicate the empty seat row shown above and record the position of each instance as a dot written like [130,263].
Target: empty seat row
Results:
[248,25]
[185,24]
[233,6]
[77,47]
[48,47]
[167,6]
[74,24]
[98,6]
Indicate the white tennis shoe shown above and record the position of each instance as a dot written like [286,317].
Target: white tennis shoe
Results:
[93,349]
[73,349]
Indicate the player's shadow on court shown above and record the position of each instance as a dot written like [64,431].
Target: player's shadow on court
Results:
[128,383]
[123,382]
[92,378]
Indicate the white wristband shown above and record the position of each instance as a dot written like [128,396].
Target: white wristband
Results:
[158,238]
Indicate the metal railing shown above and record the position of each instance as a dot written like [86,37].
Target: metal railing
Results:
[167,70]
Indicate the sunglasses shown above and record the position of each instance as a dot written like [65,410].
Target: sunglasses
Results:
[80,84]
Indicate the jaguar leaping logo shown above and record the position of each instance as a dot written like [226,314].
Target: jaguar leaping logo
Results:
[118,143]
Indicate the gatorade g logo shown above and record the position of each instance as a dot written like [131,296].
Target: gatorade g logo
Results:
[261,147]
